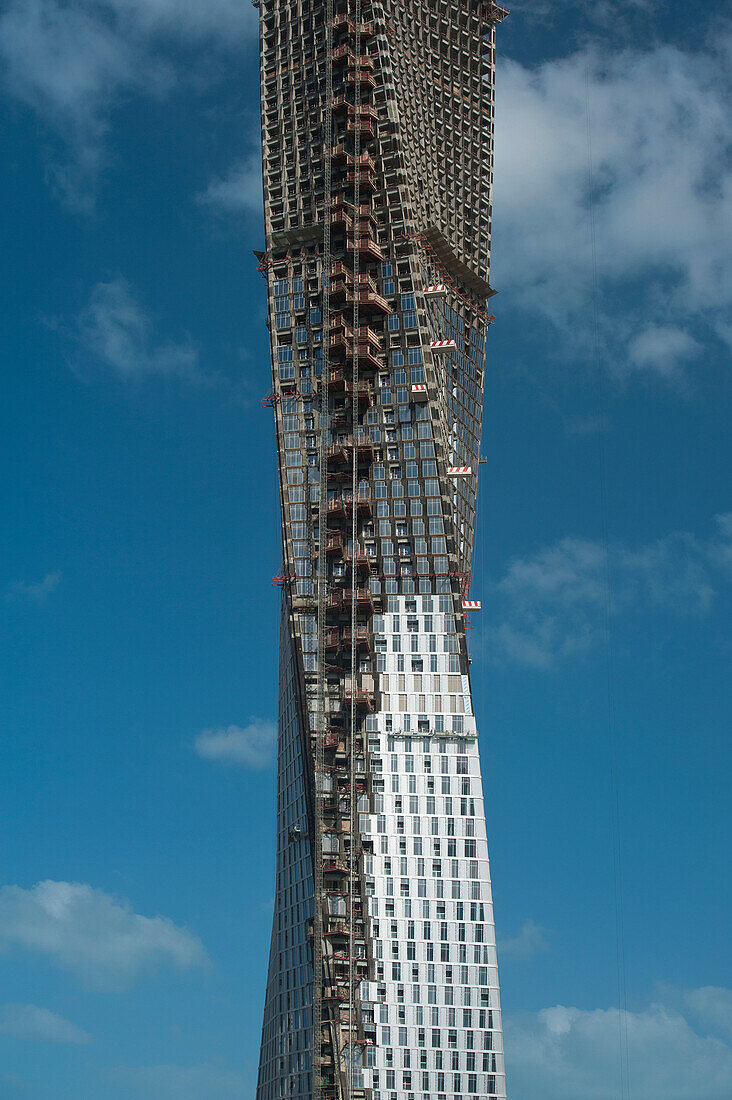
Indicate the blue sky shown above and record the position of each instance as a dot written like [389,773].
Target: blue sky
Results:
[141,534]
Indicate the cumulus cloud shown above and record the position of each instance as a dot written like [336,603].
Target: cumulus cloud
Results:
[660,131]
[713,1007]
[92,935]
[601,12]
[239,191]
[530,941]
[551,605]
[31,1022]
[664,350]
[204,1082]
[565,1053]
[71,61]
[35,591]
[114,332]
[251,746]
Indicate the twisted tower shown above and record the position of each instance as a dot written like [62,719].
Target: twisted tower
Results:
[377,124]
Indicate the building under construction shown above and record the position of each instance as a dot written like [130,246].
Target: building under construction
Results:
[377,125]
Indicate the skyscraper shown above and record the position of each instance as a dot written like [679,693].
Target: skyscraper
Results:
[377,123]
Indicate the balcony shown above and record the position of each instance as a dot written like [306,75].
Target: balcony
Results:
[335,865]
[370,301]
[361,76]
[336,993]
[344,23]
[362,699]
[338,382]
[366,179]
[345,55]
[342,451]
[364,599]
[368,247]
[341,154]
[359,561]
[337,928]
[333,737]
[334,544]
[336,509]
[334,600]
[341,104]
[363,639]
[340,328]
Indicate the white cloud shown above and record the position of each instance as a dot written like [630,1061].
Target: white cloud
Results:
[114,332]
[713,1006]
[551,605]
[720,548]
[239,191]
[530,941]
[251,745]
[35,591]
[663,349]
[92,935]
[31,1022]
[663,211]
[601,12]
[226,22]
[181,1082]
[570,1054]
[72,61]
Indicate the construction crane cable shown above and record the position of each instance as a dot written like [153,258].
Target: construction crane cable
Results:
[610,672]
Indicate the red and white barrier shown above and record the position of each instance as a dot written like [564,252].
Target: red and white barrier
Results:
[459,471]
[435,291]
[471,605]
[443,345]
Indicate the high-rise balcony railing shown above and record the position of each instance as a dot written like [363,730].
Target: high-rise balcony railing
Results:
[364,700]
[344,23]
[346,55]
[361,76]
[342,451]
[342,331]
[341,153]
[365,127]
[366,179]
[368,247]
